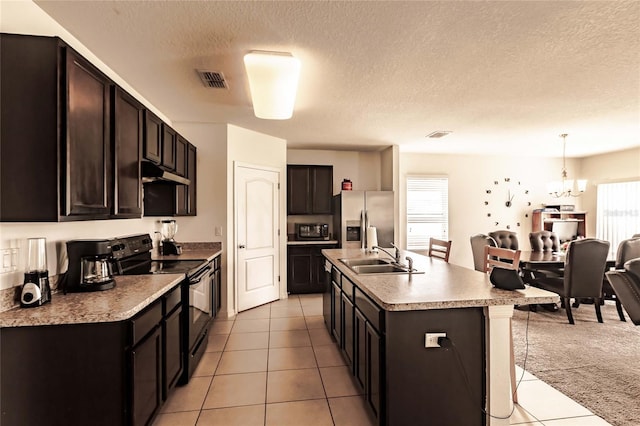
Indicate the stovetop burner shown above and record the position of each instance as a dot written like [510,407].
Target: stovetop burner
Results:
[132,256]
[174,266]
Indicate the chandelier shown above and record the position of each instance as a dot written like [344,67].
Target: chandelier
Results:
[565,187]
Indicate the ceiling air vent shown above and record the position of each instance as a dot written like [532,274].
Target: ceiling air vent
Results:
[438,134]
[213,79]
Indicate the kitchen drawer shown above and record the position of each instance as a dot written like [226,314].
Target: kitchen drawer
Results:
[172,299]
[145,322]
[347,288]
[371,311]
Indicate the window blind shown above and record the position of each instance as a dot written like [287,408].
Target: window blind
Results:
[617,212]
[427,210]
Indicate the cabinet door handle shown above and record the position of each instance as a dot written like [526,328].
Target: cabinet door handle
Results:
[241,246]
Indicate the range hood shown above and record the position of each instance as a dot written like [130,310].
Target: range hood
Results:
[154,173]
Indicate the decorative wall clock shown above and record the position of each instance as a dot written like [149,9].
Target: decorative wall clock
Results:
[508,203]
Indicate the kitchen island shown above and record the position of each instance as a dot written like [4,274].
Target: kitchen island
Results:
[381,322]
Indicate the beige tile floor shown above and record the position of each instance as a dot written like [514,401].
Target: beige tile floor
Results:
[277,365]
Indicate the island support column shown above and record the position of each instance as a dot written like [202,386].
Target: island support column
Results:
[498,337]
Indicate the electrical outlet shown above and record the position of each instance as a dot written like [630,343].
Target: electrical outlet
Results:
[431,339]
[218,231]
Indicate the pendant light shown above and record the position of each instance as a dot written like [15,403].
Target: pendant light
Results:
[565,187]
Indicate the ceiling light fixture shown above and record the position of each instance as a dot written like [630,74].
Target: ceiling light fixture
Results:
[273,81]
[564,188]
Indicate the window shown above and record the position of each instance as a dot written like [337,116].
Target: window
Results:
[427,210]
[618,212]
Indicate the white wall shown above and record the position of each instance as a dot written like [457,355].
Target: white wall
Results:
[469,178]
[249,147]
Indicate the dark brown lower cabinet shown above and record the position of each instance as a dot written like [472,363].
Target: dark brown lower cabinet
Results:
[360,354]
[373,366]
[305,268]
[173,359]
[99,374]
[146,378]
[336,294]
[347,321]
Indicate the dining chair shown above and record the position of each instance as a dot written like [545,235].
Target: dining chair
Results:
[584,266]
[505,239]
[627,249]
[439,248]
[478,242]
[501,257]
[626,283]
[544,241]
[508,259]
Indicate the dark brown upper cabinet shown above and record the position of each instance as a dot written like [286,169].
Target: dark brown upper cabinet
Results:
[309,189]
[169,137]
[55,142]
[181,155]
[128,124]
[191,174]
[186,195]
[152,137]
[168,199]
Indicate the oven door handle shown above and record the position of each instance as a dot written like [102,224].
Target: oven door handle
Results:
[196,278]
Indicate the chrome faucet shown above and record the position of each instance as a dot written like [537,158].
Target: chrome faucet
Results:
[396,257]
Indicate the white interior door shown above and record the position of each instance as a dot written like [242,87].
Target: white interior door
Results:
[257,242]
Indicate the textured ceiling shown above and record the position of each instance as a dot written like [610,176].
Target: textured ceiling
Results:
[505,76]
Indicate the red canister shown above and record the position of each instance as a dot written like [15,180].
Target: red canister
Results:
[346,185]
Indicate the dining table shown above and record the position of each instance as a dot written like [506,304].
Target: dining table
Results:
[549,260]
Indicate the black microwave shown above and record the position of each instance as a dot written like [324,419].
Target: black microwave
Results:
[312,231]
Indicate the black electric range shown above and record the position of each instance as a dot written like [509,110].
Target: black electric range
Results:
[132,256]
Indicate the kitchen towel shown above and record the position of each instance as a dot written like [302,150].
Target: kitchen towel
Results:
[372,238]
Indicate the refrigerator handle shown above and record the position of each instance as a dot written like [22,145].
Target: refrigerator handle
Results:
[363,229]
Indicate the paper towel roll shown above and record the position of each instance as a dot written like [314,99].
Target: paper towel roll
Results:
[372,238]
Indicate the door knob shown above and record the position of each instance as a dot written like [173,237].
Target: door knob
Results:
[241,246]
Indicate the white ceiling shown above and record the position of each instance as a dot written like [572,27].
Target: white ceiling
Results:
[504,76]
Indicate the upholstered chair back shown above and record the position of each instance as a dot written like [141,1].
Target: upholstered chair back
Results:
[544,241]
[505,239]
[626,284]
[478,242]
[584,267]
[627,250]
[633,267]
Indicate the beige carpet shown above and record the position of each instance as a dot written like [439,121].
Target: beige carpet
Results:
[596,365]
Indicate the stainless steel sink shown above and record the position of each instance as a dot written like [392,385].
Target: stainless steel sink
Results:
[378,269]
[375,266]
[358,262]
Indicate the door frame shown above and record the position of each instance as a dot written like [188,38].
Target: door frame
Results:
[281,193]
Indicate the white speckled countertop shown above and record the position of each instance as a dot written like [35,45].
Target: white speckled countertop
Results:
[131,295]
[442,286]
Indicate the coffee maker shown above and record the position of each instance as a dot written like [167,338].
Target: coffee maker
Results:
[90,266]
[168,231]
[36,290]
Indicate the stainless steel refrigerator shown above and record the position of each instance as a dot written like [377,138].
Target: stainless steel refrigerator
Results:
[354,211]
